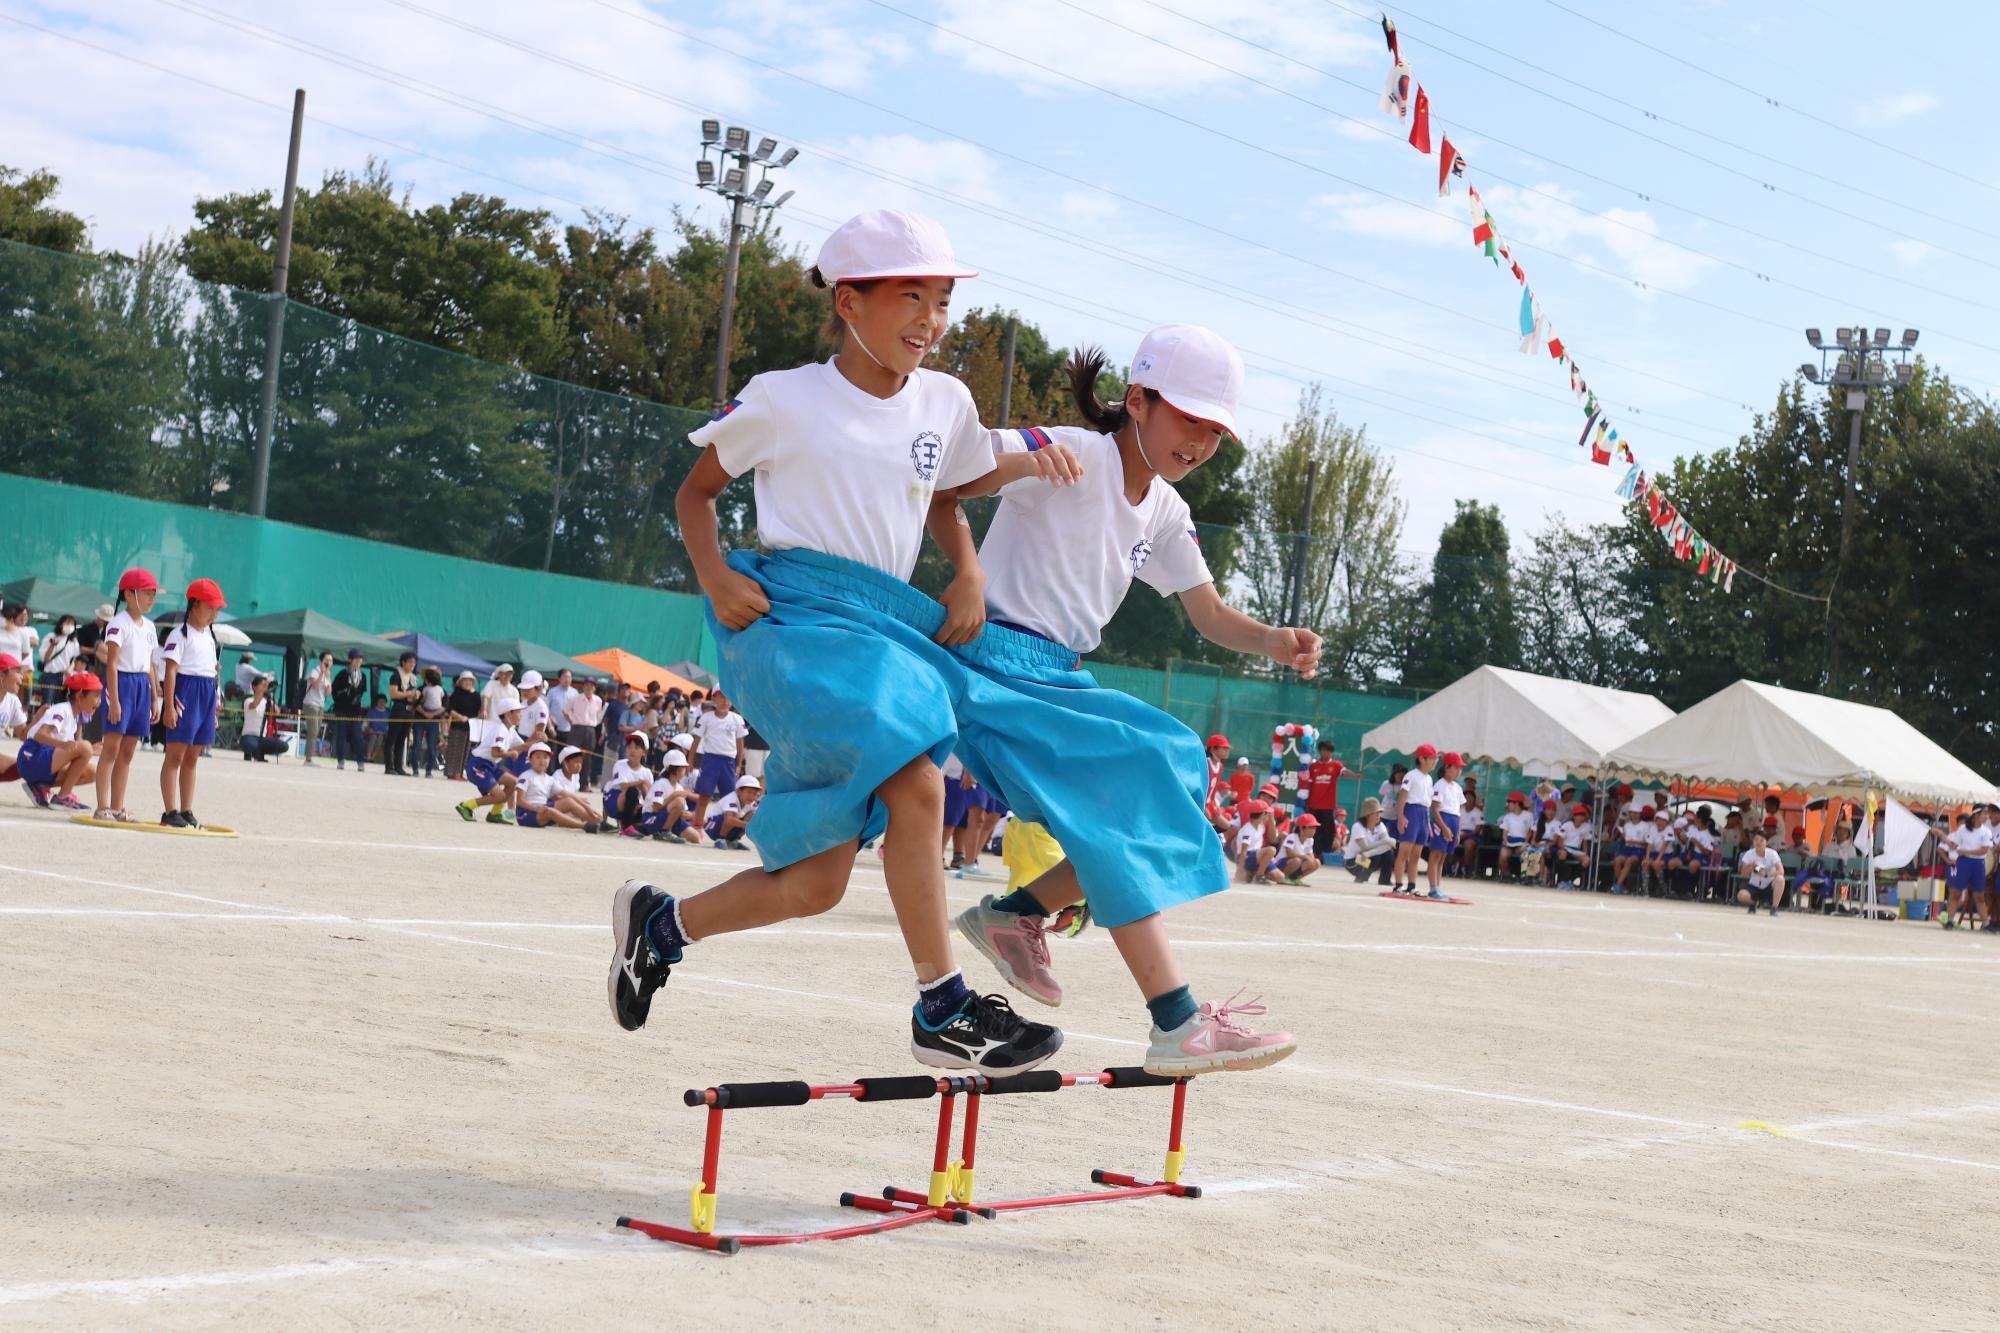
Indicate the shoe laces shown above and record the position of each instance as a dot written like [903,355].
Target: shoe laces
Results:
[991,1016]
[1038,939]
[1224,1015]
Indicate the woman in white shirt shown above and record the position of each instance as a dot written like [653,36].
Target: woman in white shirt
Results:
[17,636]
[59,654]
[256,710]
[1765,874]
[1965,849]
[312,709]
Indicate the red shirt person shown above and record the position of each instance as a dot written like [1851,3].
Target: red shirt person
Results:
[1323,798]
[1242,782]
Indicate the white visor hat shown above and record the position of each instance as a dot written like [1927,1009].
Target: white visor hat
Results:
[888,243]
[1194,369]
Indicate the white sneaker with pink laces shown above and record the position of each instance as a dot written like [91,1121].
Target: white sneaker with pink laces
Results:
[1213,1040]
[1017,945]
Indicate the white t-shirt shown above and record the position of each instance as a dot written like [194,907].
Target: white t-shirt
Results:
[194,649]
[1365,841]
[1416,793]
[843,472]
[1582,831]
[59,719]
[1633,834]
[1762,867]
[1473,820]
[1293,846]
[1448,796]
[538,788]
[1701,840]
[534,713]
[661,792]
[624,775]
[1566,830]
[500,738]
[1977,841]
[20,641]
[718,734]
[1250,837]
[319,685]
[1059,559]
[12,714]
[564,782]
[1517,826]
[138,643]
[253,716]
[729,803]
[494,698]
[61,654]
[1655,838]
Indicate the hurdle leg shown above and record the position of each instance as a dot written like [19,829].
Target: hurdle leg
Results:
[700,1231]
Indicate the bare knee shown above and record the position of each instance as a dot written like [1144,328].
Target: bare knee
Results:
[915,790]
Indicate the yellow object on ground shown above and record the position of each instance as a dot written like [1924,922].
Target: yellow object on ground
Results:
[1029,852]
[205,831]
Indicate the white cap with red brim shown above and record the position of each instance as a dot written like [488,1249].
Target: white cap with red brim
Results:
[1194,369]
[889,243]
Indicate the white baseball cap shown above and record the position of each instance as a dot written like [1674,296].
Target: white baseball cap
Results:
[751,782]
[567,751]
[539,748]
[684,741]
[1243,763]
[674,759]
[888,243]
[1194,369]
[530,679]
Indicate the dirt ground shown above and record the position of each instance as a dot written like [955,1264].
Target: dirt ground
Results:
[356,1069]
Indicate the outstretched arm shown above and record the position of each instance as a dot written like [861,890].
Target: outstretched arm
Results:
[1225,626]
[1054,463]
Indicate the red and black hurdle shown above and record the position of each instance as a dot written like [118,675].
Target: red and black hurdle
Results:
[949,1197]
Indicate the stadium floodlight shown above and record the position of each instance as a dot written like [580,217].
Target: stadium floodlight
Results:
[1905,373]
[779,202]
[1812,336]
[1810,371]
[1909,337]
[737,140]
[762,191]
[1845,337]
[1877,372]
[765,147]
[1881,337]
[711,130]
[704,172]
[786,160]
[732,181]
[1843,369]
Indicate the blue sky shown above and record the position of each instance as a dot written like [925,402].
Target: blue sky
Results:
[1112,164]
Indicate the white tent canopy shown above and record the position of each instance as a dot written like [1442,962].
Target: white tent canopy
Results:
[1497,716]
[1751,734]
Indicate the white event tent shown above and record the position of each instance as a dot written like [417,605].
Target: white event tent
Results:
[1535,723]
[1750,735]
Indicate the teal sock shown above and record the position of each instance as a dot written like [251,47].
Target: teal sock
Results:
[1021,903]
[1172,1008]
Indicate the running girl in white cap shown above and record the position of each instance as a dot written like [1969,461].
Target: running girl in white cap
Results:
[131,647]
[1065,546]
[826,645]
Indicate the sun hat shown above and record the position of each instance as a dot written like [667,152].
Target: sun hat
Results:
[1194,369]
[507,667]
[510,706]
[105,611]
[206,590]
[1268,789]
[638,736]
[683,741]
[82,680]
[137,580]
[888,243]
[1243,763]
[463,675]
[1370,806]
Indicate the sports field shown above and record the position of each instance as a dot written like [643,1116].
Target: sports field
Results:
[356,1069]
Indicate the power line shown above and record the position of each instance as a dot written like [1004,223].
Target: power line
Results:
[1955,173]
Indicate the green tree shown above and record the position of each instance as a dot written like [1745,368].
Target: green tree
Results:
[27,216]
[1572,604]
[1348,572]
[1469,614]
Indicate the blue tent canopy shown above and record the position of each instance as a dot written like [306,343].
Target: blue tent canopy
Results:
[448,659]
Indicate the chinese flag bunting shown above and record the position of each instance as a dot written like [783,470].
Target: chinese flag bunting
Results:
[1420,122]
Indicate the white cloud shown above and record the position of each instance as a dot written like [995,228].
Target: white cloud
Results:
[1895,106]
[1911,252]
[1446,223]
[1627,238]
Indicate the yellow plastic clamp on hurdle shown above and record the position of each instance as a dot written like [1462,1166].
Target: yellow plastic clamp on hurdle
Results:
[1175,1158]
[959,1183]
[701,1208]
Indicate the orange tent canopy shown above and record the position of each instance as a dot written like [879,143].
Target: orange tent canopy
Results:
[631,669]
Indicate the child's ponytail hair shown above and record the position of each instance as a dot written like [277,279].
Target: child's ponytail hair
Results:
[1085,365]
[836,327]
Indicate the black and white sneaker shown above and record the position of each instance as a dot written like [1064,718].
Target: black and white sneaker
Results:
[986,1036]
[172,819]
[636,970]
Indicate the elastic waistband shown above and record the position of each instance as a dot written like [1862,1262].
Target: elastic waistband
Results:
[1003,646]
[849,580]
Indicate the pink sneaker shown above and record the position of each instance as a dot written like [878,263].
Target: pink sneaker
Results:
[63,802]
[1213,1040]
[1017,945]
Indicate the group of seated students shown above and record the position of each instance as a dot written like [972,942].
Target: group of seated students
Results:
[529,783]
[1263,836]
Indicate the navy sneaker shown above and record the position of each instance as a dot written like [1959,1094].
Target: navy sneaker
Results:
[637,970]
[985,1036]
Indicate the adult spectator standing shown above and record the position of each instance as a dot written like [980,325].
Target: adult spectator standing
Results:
[430,713]
[619,717]
[559,695]
[404,687]
[584,715]
[59,654]
[350,702]
[1323,797]
[246,672]
[499,692]
[18,638]
[90,657]
[312,707]
[462,710]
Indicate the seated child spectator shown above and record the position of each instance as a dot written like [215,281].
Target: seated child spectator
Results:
[374,730]
[626,788]
[729,816]
[536,793]
[669,803]
[489,769]
[1295,853]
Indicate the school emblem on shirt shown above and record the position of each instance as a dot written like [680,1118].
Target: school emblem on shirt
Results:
[925,453]
[1141,552]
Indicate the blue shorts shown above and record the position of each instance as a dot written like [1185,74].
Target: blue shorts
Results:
[1968,872]
[848,688]
[195,697]
[135,706]
[527,819]
[1039,734]
[516,764]
[36,763]
[1447,838]
[1416,827]
[957,800]
[715,774]
[1250,859]
[482,773]
[979,798]
[1627,849]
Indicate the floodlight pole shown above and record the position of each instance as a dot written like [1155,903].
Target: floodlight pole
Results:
[1007,374]
[737,228]
[733,169]
[274,340]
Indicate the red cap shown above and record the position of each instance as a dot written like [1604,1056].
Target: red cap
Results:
[1514,796]
[1579,810]
[8,661]
[1268,789]
[1452,759]
[1772,822]
[1646,812]
[1307,821]
[1256,808]
[1218,739]
[1622,790]
[1427,751]
[137,580]
[206,590]
[82,680]
[1341,811]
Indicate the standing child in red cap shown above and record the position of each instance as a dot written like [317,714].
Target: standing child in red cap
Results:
[1447,805]
[1413,818]
[189,700]
[131,648]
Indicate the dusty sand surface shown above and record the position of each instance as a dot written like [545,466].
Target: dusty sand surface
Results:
[356,1069]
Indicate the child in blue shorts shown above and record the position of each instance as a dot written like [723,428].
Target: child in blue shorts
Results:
[55,754]
[824,642]
[729,817]
[131,647]
[189,700]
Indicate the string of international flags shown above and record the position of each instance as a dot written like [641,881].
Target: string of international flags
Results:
[1404,98]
